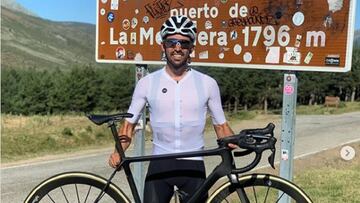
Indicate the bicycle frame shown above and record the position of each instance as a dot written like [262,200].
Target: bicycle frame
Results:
[225,167]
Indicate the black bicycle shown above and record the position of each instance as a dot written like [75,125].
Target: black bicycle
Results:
[87,187]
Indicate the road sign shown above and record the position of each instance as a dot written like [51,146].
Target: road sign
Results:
[312,35]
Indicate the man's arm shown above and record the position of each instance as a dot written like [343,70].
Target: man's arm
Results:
[126,129]
[223,130]
[218,116]
[137,104]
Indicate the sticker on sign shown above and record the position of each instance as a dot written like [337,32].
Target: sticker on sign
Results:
[265,34]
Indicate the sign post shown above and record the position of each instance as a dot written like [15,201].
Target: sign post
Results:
[139,146]
[288,129]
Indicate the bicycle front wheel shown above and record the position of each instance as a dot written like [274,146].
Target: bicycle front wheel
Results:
[76,187]
[258,188]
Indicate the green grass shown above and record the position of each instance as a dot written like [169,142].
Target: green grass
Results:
[242,115]
[321,109]
[332,182]
[327,185]
[28,137]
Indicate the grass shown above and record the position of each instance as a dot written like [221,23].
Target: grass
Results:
[33,136]
[232,118]
[321,109]
[328,178]
[328,184]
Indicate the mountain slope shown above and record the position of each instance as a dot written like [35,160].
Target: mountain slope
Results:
[29,41]
[15,6]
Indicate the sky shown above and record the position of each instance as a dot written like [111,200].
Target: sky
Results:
[63,10]
[85,10]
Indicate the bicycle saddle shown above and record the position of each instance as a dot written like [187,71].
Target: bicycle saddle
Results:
[101,119]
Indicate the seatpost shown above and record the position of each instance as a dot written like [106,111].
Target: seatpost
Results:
[118,145]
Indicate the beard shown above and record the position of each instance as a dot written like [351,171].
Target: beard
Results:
[177,65]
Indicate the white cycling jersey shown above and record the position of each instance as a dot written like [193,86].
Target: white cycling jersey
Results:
[177,109]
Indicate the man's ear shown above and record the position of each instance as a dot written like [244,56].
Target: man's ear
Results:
[162,47]
[191,50]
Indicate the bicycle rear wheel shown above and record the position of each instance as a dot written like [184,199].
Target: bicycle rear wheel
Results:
[75,187]
[258,188]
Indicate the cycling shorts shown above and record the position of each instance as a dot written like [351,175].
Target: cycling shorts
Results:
[163,175]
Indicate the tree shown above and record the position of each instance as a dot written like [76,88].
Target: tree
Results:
[9,87]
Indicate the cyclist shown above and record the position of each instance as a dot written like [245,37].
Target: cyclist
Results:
[178,98]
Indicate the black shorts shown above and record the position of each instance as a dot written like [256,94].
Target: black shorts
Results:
[163,175]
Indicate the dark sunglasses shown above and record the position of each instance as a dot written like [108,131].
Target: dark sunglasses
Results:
[171,43]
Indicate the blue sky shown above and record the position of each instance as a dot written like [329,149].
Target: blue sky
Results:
[63,10]
[85,10]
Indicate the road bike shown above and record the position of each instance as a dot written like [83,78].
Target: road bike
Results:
[238,187]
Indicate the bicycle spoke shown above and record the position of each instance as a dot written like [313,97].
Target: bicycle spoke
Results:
[50,198]
[280,197]
[77,193]
[254,194]
[76,187]
[267,193]
[87,195]
[64,194]
[100,196]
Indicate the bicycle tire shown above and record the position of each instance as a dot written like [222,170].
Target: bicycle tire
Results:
[264,183]
[75,187]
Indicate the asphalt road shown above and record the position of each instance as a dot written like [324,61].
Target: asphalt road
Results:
[313,134]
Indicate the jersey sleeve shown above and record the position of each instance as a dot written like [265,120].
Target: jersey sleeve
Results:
[214,104]
[138,100]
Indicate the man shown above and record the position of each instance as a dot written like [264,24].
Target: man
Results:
[179,98]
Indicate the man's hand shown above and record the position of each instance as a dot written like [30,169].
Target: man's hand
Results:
[114,159]
[232,146]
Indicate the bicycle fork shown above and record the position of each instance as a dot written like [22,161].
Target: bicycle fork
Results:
[234,179]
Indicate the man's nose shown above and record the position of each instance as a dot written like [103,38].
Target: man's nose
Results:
[178,46]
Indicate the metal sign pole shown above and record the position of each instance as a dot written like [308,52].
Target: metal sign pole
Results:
[288,129]
[139,145]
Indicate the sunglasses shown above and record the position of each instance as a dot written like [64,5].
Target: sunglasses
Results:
[171,43]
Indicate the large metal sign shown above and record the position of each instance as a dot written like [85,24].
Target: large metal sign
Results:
[268,34]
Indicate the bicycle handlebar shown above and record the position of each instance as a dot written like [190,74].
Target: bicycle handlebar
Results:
[252,140]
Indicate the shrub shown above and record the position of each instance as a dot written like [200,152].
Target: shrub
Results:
[67,132]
